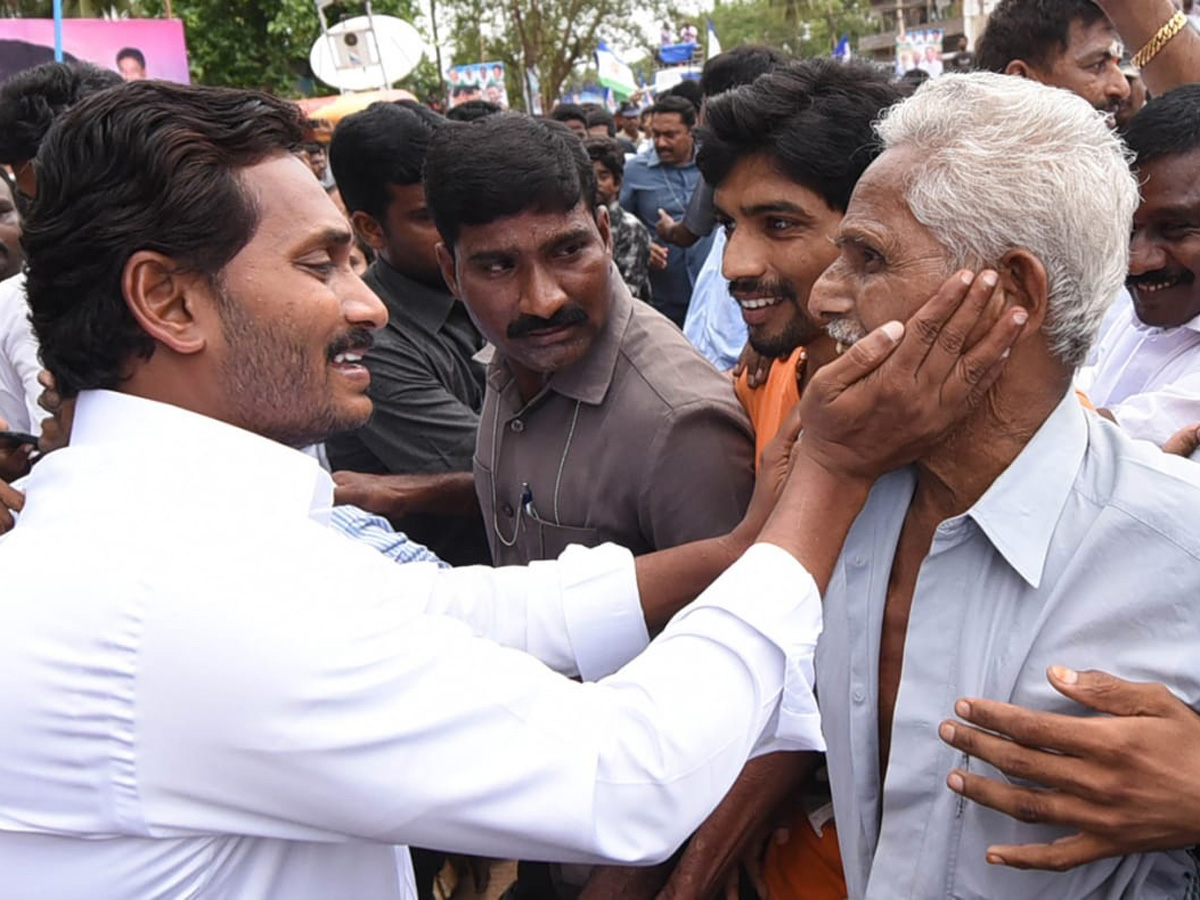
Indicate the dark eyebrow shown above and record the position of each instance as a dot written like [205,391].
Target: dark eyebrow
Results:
[778,206]
[575,234]
[325,237]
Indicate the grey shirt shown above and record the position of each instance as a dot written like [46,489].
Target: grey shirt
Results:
[641,442]
[1085,552]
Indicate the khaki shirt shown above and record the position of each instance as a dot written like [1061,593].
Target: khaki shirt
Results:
[641,442]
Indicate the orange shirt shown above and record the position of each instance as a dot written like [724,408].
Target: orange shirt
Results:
[768,404]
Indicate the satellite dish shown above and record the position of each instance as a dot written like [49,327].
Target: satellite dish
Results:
[363,53]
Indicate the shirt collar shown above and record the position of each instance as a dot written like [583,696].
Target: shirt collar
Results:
[410,299]
[221,459]
[588,379]
[1021,509]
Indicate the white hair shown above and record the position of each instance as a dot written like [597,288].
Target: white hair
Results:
[1008,163]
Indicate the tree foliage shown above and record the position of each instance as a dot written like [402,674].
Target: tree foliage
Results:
[259,43]
[799,27]
[550,36]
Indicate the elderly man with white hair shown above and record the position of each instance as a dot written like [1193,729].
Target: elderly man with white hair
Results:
[1024,539]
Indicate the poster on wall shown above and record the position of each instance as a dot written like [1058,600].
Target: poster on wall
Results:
[137,48]
[920,50]
[477,81]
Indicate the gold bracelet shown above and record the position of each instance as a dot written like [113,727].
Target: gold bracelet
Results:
[1170,28]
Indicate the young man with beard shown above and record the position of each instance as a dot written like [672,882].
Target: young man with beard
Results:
[783,154]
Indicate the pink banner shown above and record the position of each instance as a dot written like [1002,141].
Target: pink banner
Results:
[151,48]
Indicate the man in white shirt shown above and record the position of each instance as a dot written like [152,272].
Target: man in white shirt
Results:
[253,706]
[1146,376]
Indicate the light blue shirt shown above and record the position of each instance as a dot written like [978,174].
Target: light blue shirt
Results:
[1085,552]
[714,322]
[646,186]
[378,534]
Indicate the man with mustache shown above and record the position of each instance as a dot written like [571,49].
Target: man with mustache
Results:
[1146,376]
[1070,44]
[1022,540]
[601,422]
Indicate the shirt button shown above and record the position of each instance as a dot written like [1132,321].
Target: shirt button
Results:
[859,695]
[507,510]
[858,561]
[517,425]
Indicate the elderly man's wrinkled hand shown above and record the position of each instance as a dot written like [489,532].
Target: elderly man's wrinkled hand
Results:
[896,392]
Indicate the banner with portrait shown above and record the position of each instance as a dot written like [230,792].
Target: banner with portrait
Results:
[137,48]
[477,81]
[920,49]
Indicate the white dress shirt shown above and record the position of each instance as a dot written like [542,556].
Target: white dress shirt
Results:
[205,703]
[19,366]
[1085,552]
[1148,378]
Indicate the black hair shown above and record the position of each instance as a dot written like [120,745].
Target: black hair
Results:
[30,101]
[314,147]
[814,119]
[473,111]
[384,144]
[432,117]
[501,166]
[608,153]
[686,90]
[148,165]
[915,77]
[566,112]
[1030,30]
[132,53]
[1166,126]
[602,117]
[741,65]
[678,106]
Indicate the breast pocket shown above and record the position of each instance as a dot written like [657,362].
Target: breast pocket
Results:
[549,539]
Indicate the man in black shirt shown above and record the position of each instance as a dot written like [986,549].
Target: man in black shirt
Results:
[426,386]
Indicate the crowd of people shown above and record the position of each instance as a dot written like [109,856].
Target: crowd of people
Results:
[783,491]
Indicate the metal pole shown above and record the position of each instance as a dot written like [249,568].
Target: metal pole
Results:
[437,47]
[378,49]
[58,17]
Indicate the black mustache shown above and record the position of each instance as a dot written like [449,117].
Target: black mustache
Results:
[564,316]
[1183,276]
[356,339]
[775,287]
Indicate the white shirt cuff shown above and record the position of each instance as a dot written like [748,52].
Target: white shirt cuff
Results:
[602,608]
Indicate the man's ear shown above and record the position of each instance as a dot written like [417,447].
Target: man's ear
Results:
[446,263]
[164,301]
[369,229]
[604,225]
[1025,283]
[1018,67]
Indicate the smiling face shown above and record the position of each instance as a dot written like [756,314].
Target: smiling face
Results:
[779,241]
[888,264]
[537,284]
[1089,67]
[295,319]
[1165,249]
